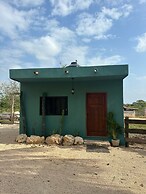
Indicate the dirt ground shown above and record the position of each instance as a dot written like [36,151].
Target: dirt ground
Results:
[46,169]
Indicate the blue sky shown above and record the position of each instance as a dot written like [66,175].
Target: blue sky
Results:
[52,33]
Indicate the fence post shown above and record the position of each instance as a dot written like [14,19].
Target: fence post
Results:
[126,131]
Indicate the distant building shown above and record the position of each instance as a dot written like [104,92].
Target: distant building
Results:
[129,112]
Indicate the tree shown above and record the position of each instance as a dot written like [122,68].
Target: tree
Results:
[140,105]
[9,97]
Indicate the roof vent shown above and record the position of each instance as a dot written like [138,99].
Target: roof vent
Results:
[74,64]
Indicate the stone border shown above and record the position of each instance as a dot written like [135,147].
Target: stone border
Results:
[54,139]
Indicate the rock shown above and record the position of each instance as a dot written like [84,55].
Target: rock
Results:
[141,185]
[68,140]
[54,139]
[21,138]
[78,140]
[34,139]
[49,140]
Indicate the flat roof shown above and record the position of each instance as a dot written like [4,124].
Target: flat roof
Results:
[78,73]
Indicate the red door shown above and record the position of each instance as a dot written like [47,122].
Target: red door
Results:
[96,114]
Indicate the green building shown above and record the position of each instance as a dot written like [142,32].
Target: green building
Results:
[72,100]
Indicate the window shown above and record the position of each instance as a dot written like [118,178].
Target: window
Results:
[55,105]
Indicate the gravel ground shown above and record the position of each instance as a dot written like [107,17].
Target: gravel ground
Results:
[42,169]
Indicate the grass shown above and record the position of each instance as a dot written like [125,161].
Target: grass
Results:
[137,126]
[6,122]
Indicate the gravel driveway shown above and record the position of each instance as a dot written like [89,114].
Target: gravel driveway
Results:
[42,169]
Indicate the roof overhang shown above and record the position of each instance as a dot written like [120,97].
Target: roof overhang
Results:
[67,73]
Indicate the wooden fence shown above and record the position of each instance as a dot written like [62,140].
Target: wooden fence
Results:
[133,131]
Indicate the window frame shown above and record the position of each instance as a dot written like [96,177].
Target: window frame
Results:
[54,105]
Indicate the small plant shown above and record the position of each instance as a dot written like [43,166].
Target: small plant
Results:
[76,133]
[55,131]
[114,129]
[61,122]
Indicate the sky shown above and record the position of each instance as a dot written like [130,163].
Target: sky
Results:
[52,33]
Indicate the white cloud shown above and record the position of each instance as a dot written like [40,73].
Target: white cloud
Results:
[43,48]
[59,46]
[47,48]
[1,38]
[142,1]
[116,13]
[141,46]
[89,25]
[14,21]
[66,7]
[26,3]
[98,25]
[44,51]
[126,9]
[48,43]
[113,13]
[99,60]
[113,3]
[10,58]
[74,52]
[51,25]
[86,40]
[63,35]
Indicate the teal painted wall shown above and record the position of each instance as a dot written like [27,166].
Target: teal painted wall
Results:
[75,121]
